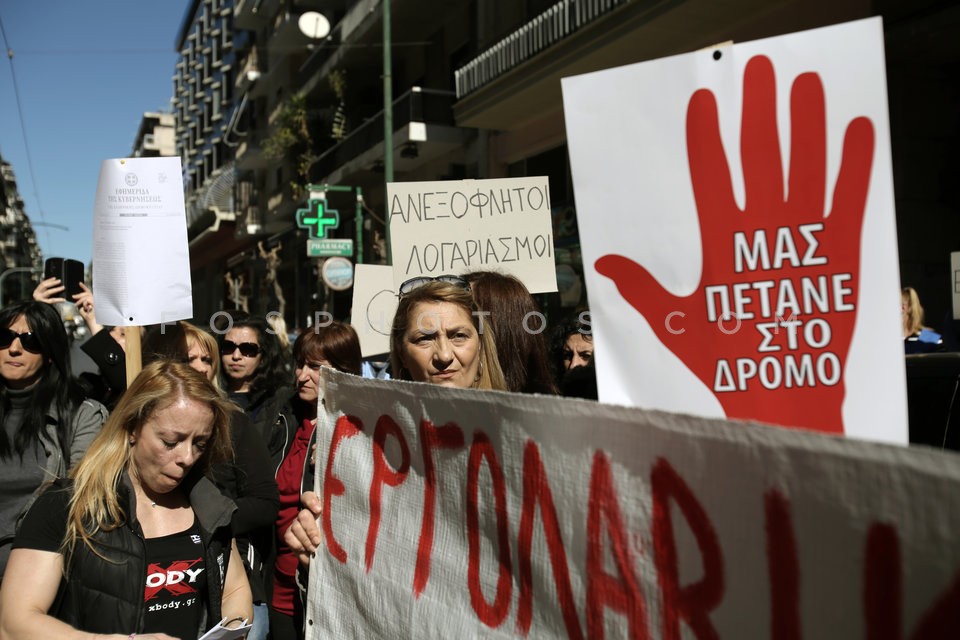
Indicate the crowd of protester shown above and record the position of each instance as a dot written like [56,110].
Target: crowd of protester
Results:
[201,468]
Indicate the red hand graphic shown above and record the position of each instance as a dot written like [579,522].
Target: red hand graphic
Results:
[793,376]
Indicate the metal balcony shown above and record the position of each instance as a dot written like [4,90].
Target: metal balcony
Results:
[556,23]
[423,127]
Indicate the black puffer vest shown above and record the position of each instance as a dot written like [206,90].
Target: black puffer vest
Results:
[105,595]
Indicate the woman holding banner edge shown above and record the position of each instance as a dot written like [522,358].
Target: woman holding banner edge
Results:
[436,338]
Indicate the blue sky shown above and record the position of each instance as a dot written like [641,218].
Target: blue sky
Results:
[87,70]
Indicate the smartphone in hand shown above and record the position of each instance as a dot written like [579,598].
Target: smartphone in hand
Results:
[69,271]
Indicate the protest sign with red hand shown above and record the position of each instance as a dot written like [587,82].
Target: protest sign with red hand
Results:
[769,326]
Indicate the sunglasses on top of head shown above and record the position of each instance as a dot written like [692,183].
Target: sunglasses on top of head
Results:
[248,349]
[413,284]
[29,340]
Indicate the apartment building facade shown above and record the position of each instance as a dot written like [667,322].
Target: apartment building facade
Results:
[475,93]
[20,255]
[156,136]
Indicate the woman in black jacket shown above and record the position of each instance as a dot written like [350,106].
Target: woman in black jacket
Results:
[139,542]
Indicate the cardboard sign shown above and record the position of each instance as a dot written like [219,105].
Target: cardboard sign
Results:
[374,305]
[454,227]
[741,249]
[453,513]
[141,259]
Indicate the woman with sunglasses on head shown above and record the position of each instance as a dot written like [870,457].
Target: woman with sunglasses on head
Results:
[436,338]
[138,542]
[257,379]
[47,422]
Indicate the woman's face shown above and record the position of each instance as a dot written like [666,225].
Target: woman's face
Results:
[20,368]
[308,379]
[238,366]
[169,443]
[577,351]
[441,345]
[199,359]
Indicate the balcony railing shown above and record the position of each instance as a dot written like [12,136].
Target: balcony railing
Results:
[548,28]
[428,106]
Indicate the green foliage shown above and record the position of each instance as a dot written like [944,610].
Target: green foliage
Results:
[292,140]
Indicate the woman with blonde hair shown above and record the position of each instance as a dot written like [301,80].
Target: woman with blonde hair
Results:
[138,543]
[438,336]
[917,338]
[247,478]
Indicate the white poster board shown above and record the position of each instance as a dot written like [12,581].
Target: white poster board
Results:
[740,253]
[454,227]
[374,305]
[141,259]
[452,513]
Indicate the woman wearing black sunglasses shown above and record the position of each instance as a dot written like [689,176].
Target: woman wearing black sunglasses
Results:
[257,378]
[47,423]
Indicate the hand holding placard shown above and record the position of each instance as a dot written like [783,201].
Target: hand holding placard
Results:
[769,327]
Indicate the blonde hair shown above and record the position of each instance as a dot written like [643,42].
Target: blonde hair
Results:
[196,335]
[95,506]
[491,375]
[913,313]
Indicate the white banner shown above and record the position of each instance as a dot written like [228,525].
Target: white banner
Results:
[740,245]
[454,227]
[141,259]
[459,514]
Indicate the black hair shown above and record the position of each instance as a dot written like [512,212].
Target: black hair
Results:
[558,342]
[272,372]
[56,388]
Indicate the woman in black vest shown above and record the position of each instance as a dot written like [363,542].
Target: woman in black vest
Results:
[139,542]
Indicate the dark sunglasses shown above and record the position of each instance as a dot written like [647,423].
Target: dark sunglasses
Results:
[248,349]
[415,283]
[29,340]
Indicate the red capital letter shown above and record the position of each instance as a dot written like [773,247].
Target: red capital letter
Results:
[384,474]
[882,591]
[621,593]
[490,615]
[449,436]
[536,491]
[346,427]
[693,602]
[782,568]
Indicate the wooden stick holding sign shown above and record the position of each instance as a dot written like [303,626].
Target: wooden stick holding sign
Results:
[140,253]
[134,357]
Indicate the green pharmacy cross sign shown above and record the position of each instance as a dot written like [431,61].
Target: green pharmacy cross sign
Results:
[317,218]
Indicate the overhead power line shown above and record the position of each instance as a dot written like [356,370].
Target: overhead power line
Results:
[23,126]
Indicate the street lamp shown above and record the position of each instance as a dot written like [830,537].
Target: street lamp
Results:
[387,118]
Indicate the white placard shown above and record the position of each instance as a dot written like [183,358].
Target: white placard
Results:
[741,254]
[454,227]
[141,259]
[374,305]
[451,513]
